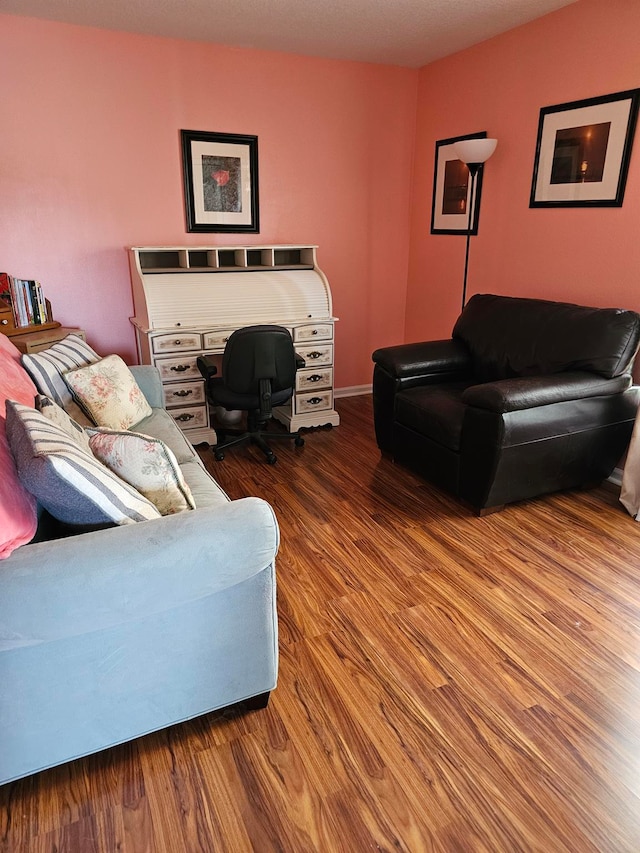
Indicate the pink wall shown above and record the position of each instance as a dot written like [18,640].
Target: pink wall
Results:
[90,163]
[590,256]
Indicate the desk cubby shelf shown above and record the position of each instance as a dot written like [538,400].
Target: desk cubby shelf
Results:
[226,258]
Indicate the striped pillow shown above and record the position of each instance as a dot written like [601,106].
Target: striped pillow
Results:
[47,367]
[67,481]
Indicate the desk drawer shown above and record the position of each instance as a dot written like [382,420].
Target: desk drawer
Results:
[177,342]
[313,400]
[313,332]
[190,417]
[178,368]
[316,354]
[309,379]
[218,339]
[183,393]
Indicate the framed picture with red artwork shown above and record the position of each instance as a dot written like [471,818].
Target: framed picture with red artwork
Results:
[220,173]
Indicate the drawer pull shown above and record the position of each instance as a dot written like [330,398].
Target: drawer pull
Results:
[313,401]
[315,332]
[179,368]
[314,354]
[315,377]
[182,393]
[177,343]
[224,340]
[185,417]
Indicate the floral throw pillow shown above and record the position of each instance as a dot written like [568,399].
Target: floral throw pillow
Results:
[145,463]
[108,393]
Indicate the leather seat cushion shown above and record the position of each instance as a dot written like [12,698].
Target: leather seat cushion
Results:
[435,411]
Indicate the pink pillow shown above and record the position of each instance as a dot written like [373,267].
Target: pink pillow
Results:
[18,518]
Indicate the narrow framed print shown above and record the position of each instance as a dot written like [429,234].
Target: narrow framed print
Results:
[583,151]
[452,200]
[220,181]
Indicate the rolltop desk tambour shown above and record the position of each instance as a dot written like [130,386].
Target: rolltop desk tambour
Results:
[188,300]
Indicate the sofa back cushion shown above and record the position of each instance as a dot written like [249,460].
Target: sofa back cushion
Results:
[509,337]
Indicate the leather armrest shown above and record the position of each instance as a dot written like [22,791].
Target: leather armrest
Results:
[450,357]
[300,362]
[528,392]
[207,366]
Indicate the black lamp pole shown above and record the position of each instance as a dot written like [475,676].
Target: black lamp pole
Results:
[473,168]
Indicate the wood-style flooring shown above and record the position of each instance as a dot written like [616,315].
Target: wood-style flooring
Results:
[447,683]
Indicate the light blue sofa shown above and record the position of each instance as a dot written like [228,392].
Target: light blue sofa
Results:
[109,635]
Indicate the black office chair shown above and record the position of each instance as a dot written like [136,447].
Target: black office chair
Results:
[258,372]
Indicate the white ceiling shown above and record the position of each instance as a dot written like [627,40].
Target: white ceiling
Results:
[411,33]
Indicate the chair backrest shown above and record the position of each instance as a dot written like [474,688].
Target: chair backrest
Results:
[511,336]
[259,352]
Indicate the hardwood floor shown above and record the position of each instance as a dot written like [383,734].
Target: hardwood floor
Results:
[447,683]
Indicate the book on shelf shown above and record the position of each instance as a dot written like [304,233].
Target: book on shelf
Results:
[26,299]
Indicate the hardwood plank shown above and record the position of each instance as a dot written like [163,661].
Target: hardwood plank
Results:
[447,683]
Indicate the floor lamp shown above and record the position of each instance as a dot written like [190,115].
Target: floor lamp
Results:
[473,152]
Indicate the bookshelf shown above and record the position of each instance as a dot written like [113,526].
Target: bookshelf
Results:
[8,325]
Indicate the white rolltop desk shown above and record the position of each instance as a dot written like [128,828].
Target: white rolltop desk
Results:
[188,300]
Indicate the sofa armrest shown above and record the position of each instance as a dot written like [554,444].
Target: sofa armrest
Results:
[148,378]
[428,358]
[512,395]
[94,580]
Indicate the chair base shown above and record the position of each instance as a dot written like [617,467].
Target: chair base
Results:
[257,437]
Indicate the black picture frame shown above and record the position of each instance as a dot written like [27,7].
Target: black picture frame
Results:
[451,189]
[583,150]
[220,173]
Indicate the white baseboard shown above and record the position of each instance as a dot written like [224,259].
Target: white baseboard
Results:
[616,477]
[353,391]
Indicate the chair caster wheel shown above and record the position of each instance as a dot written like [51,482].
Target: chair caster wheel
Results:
[272,459]
[299,441]
[219,455]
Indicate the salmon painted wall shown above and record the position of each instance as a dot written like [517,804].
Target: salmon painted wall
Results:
[90,163]
[589,256]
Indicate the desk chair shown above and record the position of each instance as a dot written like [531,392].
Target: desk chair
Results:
[258,372]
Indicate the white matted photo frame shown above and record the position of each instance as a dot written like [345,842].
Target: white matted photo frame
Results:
[583,151]
[452,189]
[220,173]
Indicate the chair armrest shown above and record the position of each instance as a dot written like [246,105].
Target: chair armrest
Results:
[207,366]
[300,362]
[528,392]
[91,581]
[428,358]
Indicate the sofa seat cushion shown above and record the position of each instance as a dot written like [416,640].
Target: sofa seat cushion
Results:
[108,393]
[47,369]
[147,464]
[206,492]
[69,483]
[18,517]
[435,411]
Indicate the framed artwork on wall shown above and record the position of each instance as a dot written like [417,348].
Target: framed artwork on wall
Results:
[583,150]
[451,190]
[220,173]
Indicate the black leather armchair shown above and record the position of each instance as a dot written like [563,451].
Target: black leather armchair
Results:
[527,397]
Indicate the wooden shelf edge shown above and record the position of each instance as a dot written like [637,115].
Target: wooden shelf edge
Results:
[27,330]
